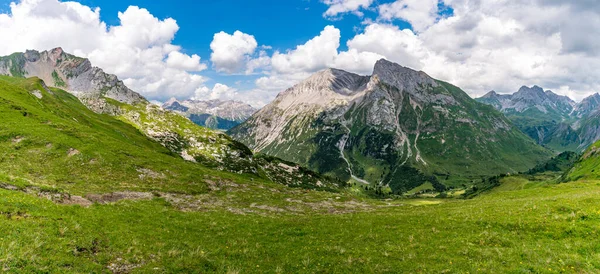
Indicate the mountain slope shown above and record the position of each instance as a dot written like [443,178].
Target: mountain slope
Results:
[105,94]
[48,137]
[215,114]
[398,127]
[554,121]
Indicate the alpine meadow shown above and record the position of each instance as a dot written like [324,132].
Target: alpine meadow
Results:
[329,136]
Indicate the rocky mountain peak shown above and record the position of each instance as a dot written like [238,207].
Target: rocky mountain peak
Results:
[339,81]
[534,93]
[490,94]
[403,78]
[587,106]
[592,98]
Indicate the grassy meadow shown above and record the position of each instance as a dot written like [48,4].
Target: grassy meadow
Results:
[519,227]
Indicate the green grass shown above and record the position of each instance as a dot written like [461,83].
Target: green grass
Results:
[543,229]
[36,136]
[58,82]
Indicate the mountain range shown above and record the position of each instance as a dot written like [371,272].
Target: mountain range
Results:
[397,127]
[554,121]
[215,114]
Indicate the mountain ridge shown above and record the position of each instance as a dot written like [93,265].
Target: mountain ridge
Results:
[552,120]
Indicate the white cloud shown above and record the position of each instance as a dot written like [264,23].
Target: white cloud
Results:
[390,42]
[337,7]
[178,60]
[262,62]
[230,53]
[138,50]
[219,91]
[419,13]
[315,54]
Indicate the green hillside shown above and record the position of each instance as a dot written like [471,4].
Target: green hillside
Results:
[47,137]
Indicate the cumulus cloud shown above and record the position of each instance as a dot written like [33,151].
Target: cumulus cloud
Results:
[139,50]
[219,91]
[419,13]
[178,60]
[337,7]
[313,55]
[231,52]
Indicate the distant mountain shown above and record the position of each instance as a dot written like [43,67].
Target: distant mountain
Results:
[587,106]
[551,120]
[106,94]
[215,114]
[398,127]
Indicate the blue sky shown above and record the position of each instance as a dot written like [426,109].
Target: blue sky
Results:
[476,45]
[280,24]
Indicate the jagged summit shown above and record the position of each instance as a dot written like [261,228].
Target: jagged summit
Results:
[402,77]
[587,106]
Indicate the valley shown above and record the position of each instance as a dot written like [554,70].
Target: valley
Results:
[417,177]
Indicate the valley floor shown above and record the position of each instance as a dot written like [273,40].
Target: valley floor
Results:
[520,227]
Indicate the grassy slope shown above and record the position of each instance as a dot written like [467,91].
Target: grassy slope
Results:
[36,136]
[516,228]
[588,166]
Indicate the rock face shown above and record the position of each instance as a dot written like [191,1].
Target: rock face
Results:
[398,127]
[551,120]
[215,114]
[105,93]
[74,74]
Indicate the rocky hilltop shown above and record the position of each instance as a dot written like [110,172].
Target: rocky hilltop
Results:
[74,74]
[215,114]
[397,127]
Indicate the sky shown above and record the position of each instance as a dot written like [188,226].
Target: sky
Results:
[250,50]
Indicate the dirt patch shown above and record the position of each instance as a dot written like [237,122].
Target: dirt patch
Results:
[18,139]
[332,207]
[148,173]
[118,196]
[57,197]
[121,267]
[226,185]
[37,94]
[65,199]
[72,152]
